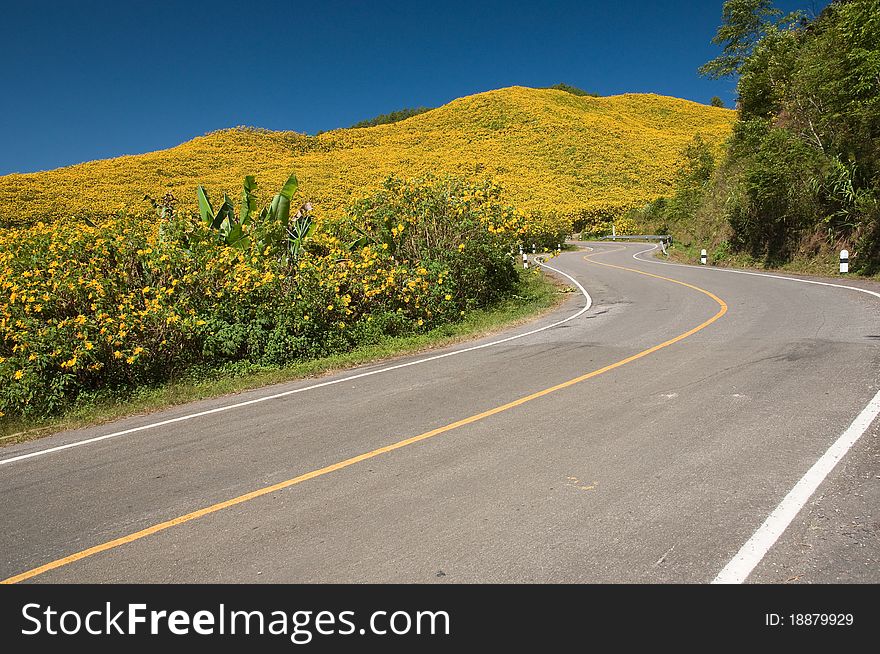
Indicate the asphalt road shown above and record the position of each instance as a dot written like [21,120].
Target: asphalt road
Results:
[657,469]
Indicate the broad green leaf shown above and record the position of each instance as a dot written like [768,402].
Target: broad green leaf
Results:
[289,187]
[226,211]
[362,242]
[205,208]
[224,228]
[280,209]
[235,235]
[248,199]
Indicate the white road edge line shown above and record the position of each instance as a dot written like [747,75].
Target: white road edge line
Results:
[751,554]
[588,303]
[754,274]
[753,551]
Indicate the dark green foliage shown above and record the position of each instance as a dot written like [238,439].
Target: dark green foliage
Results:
[802,168]
[274,228]
[716,102]
[691,180]
[775,197]
[393,117]
[568,88]
[745,24]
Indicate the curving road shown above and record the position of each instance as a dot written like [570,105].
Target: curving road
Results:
[644,439]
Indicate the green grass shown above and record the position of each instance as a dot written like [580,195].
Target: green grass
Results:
[826,264]
[537,295]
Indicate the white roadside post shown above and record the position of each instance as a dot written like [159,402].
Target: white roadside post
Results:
[534,248]
[525,260]
[844,261]
[703,257]
[613,233]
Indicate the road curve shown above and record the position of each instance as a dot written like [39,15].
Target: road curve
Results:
[644,440]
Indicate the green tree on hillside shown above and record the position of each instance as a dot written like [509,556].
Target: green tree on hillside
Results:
[392,117]
[745,23]
[568,88]
[801,174]
[716,102]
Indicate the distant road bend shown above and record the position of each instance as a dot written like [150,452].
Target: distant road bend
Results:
[670,424]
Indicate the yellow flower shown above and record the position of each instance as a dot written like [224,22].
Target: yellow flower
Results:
[448,297]
[19,374]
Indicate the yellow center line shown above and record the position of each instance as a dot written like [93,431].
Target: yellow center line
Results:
[214,508]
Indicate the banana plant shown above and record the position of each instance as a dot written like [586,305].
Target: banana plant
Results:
[279,209]
[224,220]
[299,230]
[278,225]
[230,228]
[293,230]
[248,199]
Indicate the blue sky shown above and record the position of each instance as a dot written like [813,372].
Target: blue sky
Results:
[87,79]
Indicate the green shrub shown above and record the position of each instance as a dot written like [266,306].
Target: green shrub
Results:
[105,307]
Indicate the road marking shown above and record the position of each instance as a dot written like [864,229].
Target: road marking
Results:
[668,279]
[755,549]
[747,272]
[238,405]
[162,526]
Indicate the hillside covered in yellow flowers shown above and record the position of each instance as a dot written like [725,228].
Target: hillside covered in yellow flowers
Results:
[550,151]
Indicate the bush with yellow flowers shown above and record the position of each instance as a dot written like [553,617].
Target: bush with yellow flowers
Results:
[106,305]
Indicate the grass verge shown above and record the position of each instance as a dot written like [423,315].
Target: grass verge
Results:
[825,265]
[539,293]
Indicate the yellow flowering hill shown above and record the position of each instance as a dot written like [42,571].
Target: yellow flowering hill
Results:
[550,151]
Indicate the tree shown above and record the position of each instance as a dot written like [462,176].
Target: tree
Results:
[692,179]
[568,88]
[716,101]
[745,22]
[393,117]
